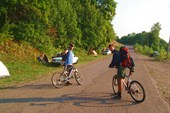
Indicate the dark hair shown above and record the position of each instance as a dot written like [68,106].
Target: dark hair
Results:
[110,45]
[71,45]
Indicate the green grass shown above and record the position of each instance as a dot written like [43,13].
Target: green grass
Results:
[20,59]
[25,71]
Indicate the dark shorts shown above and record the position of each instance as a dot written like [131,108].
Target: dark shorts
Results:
[121,72]
[68,68]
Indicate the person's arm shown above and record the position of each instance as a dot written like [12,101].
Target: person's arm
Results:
[112,63]
[115,60]
[66,51]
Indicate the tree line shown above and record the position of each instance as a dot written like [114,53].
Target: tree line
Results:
[150,39]
[49,24]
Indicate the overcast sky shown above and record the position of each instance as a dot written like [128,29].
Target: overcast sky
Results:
[140,15]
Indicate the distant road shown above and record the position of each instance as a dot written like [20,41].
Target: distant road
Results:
[94,96]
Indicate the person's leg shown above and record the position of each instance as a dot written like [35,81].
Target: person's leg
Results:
[119,86]
[68,68]
[120,73]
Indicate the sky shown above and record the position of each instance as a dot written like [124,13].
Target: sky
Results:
[135,16]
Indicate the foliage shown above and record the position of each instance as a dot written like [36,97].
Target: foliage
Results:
[150,39]
[50,24]
[147,42]
[168,55]
[143,49]
[4,38]
[162,55]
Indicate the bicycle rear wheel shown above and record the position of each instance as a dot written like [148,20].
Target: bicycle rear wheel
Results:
[137,91]
[78,77]
[115,84]
[58,80]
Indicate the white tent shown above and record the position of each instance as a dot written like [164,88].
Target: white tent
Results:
[3,71]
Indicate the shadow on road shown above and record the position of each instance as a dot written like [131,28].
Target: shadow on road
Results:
[30,86]
[79,99]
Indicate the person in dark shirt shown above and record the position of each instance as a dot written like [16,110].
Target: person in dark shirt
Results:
[116,63]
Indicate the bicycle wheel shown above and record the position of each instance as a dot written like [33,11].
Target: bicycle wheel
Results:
[137,91]
[115,84]
[58,80]
[78,77]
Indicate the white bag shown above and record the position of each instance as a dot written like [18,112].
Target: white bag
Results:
[3,71]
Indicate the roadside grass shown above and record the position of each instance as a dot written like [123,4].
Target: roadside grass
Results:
[25,71]
[20,59]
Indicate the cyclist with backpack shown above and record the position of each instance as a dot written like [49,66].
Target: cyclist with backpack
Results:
[121,60]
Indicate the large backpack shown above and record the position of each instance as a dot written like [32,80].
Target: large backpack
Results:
[124,53]
[126,59]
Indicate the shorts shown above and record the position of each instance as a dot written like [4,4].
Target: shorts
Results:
[68,68]
[121,71]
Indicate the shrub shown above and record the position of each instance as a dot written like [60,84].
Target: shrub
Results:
[162,55]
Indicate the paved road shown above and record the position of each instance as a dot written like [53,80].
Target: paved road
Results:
[94,96]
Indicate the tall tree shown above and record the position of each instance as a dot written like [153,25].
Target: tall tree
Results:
[155,39]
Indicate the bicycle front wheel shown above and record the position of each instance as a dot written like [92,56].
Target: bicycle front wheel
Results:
[78,77]
[58,80]
[115,84]
[137,91]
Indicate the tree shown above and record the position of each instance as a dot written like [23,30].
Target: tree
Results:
[155,39]
[55,23]
[107,7]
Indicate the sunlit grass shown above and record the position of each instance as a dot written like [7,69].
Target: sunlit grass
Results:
[22,72]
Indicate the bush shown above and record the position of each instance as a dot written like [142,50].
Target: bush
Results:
[147,50]
[162,55]
[143,50]
[168,55]
[5,37]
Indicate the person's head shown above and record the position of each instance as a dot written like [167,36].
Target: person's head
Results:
[71,46]
[111,47]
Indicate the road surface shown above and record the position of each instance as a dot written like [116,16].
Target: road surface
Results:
[94,96]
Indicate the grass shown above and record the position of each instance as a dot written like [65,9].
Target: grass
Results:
[20,59]
[25,71]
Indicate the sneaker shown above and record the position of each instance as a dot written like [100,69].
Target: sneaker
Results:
[68,83]
[118,96]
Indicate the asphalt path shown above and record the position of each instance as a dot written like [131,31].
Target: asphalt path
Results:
[94,96]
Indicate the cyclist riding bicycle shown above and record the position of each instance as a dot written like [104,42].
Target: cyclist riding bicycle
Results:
[69,59]
[120,63]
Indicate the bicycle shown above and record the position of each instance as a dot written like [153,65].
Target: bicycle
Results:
[133,87]
[60,80]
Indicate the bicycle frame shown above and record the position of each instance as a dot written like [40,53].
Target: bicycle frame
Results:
[59,80]
[126,82]
[67,71]
[71,69]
